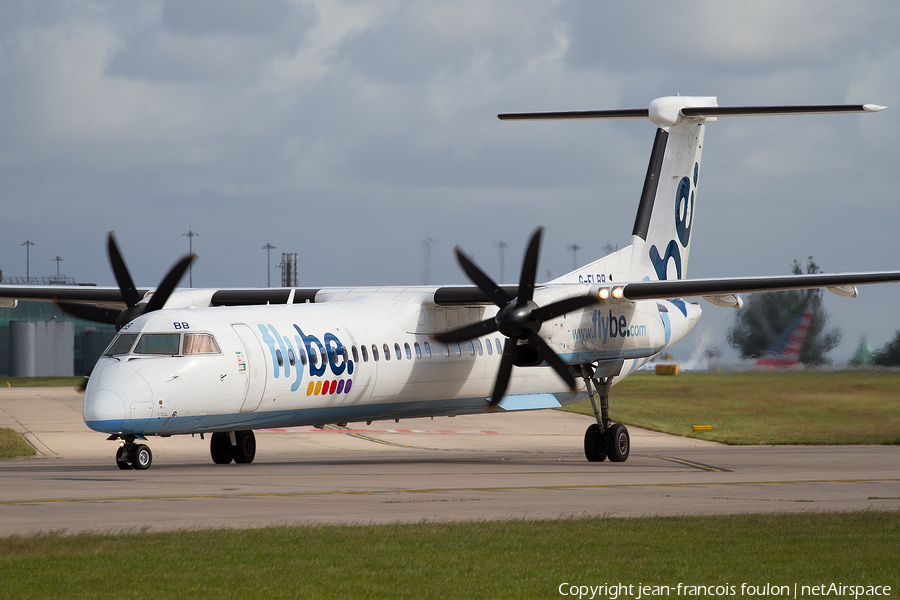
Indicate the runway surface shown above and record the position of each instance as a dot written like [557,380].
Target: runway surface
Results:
[497,466]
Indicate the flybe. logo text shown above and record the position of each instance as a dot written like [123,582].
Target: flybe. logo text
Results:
[321,358]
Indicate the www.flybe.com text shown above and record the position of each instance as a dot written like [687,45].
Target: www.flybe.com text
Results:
[607,328]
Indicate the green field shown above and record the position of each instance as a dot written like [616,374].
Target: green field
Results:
[840,407]
[499,559]
[41,381]
[13,445]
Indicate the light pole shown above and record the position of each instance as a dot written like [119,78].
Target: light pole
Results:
[58,260]
[268,248]
[501,246]
[574,248]
[190,236]
[28,244]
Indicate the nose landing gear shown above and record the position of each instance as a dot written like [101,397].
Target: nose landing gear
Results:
[131,455]
[603,439]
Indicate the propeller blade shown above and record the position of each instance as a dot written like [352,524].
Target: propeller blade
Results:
[484,283]
[553,359]
[123,278]
[89,312]
[562,307]
[167,285]
[504,372]
[529,268]
[468,332]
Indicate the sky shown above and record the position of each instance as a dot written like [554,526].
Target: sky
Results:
[356,133]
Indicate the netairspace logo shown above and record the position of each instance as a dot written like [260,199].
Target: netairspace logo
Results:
[745,590]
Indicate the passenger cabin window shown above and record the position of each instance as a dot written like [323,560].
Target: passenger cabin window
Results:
[200,343]
[365,353]
[387,352]
[302,356]
[121,345]
[279,357]
[408,352]
[313,356]
[291,359]
[356,353]
[471,348]
[446,350]
[397,350]
[418,350]
[374,352]
[478,346]
[160,344]
[487,345]
[427,350]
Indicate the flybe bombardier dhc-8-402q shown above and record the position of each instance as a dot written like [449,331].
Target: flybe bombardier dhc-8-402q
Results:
[227,361]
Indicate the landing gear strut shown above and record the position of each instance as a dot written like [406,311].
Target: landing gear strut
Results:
[131,455]
[603,439]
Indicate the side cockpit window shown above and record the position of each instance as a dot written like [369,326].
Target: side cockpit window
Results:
[202,343]
[121,344]
[160,344]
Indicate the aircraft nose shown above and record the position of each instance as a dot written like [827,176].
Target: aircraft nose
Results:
[104,410]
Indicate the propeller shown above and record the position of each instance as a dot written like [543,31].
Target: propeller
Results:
[519,318]
[129,292]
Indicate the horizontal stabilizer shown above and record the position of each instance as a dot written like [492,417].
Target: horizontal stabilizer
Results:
[671,110]
[659,290]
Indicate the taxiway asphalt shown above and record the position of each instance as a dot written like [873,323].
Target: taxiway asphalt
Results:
[499,466]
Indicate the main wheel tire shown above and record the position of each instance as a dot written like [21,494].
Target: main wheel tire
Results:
[594,444]
[220,448]
[618,443]
[141,457]
[122,459]
[245,450]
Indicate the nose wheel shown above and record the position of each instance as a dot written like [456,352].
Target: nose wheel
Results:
[603,439]
[133,456]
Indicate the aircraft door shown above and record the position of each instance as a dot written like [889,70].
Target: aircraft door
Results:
[256,367]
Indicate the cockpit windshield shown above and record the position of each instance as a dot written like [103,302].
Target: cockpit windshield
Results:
[158,343]
[162,344]
[200,343]
[121,345]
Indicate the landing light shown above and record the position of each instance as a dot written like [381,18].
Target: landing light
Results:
[618,293]
[603,294]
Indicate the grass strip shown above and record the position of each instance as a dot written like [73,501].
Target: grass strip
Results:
[497,559]
[18,382]
[841,407]
[13,445]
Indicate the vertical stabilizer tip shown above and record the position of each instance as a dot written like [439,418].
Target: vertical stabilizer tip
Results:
[873,107]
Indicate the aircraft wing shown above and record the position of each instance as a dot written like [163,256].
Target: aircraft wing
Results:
[106,297]
[111,297]
[659,290]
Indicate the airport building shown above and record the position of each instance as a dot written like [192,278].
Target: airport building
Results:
[39,340]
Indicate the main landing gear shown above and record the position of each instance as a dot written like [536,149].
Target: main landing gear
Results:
[239,446]
[603,439]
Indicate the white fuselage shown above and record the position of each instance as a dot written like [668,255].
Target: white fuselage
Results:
[352,356]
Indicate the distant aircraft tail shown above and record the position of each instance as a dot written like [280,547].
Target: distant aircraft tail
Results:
[785,352]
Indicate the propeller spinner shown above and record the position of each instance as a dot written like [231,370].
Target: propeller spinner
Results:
[129,292]
[519,318]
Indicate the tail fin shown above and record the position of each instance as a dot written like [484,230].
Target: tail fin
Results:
[661,239]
